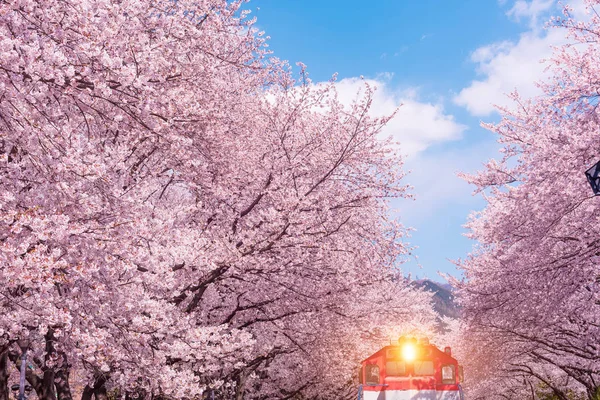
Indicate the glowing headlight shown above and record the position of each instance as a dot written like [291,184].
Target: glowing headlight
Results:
[409,352]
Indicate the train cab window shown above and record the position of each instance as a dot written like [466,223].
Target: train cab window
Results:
[395,368]
[423,368]
[372,374]
[394,353]
[461,374]
[448,374]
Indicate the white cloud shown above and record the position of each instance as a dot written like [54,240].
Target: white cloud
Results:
[417,125]
[436,185]
[441,206]
[531,10]
[507,66]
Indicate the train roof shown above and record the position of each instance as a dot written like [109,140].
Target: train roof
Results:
[435,352]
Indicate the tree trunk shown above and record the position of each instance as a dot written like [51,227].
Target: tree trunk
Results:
[61,381]
[88,392]
[4,374]
[239,388]
[100,392]
[47,390]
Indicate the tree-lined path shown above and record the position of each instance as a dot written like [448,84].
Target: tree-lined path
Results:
[183,215]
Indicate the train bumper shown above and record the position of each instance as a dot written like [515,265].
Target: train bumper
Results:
[411,395]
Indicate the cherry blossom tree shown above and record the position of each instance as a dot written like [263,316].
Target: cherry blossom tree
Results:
[531,298]
[180,215]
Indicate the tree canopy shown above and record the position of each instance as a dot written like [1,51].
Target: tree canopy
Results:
[178,214]
[531,295]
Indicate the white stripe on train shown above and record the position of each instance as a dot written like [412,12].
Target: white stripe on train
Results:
[412,395]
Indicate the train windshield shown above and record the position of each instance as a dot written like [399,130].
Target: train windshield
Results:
[395,368]
[423,368]
[419,368]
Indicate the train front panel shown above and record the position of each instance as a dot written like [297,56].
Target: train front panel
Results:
[411,370]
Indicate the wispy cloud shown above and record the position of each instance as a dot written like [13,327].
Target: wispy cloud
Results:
[401,50]
[434,176]
[426,35]
[514,65]
[441,204]
[417,125]
[531,10]
[505,67]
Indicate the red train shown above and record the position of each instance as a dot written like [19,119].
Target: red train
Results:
[411,370]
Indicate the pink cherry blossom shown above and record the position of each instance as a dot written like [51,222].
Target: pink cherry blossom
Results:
[531,297]
[175,215]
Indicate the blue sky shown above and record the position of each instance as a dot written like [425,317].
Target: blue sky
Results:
[447,62]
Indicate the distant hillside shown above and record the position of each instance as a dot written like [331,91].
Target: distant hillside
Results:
[443,299]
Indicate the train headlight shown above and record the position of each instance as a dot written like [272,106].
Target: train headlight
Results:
[409,352]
